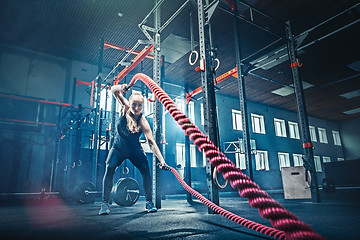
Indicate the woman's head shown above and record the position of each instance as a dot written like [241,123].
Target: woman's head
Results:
[136,102]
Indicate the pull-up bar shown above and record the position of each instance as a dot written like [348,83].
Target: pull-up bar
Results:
[233,72]
[136,61]
[115,46]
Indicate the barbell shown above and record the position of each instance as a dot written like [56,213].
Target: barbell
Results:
[125,192]
[42,194]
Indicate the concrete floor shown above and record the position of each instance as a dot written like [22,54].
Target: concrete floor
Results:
[337,217]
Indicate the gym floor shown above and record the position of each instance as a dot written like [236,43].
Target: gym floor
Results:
[337,217]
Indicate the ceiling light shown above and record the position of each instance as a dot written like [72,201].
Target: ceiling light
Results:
[353,111]
[355,65]
[285,91]
[351,94]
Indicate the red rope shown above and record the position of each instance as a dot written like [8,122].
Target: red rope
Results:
[272,232]
[268,208]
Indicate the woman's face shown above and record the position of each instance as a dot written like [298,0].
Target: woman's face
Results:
[136,104]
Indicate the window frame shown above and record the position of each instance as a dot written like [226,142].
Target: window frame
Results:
[236,120]
[322,135]
[191,109]
[192,155]
[108,99]
[317,162]
[336,138]
[287,159]
[258,165]
[282,127]
[261,123]
[298,156]
[202,114]
[240,161]
[326,159]
[312,131]
[295,127]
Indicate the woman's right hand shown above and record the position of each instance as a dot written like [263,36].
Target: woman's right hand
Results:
[119,88]
[124,88]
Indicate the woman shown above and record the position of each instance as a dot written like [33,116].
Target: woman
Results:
[126,145]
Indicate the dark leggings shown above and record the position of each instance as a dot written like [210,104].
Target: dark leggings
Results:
[115,158]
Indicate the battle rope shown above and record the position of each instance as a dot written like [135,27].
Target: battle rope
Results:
[268,208]
[272,232]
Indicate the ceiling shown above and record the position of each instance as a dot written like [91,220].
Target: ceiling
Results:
[330,51]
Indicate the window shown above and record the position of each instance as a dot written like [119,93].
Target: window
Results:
[340,159]
[322,135]
[202,113]
[284,160]
[326,159]
[261,160]
[236,119]
[294,130]
[191,112]
[204,159]
[180,156]
[336,137]
[298,160]
[180,104]
[258,124]
[312,133]
[317,162]
[280,129]
[105,99]
[148,106]
[240,160]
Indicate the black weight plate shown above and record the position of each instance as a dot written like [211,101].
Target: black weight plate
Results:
[81,195]
[126,192]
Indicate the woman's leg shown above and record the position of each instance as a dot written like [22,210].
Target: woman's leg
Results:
[114,159]
[140,161]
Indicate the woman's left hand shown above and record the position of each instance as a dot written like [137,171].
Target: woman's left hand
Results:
[163,166]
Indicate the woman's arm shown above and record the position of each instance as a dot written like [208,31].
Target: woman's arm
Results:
[145,127]
[117,91]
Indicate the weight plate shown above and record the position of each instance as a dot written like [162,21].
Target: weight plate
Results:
[81,192]
[126,192]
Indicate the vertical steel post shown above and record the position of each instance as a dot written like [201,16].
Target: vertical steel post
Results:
[302,112]
[242,95]
[113,120]
[55,160]
[157,109]
[187,154]
[209,103]
[97,133]
[163,113]
[76,146]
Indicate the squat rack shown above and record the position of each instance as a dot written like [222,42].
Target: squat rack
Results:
[209,93]
[153,44]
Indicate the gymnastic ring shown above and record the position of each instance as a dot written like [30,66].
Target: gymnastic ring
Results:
[215,178]
[218,64]
[126,171]
[196,58]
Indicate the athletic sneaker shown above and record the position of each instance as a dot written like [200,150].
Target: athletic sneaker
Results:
[105,209]
[149,207]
